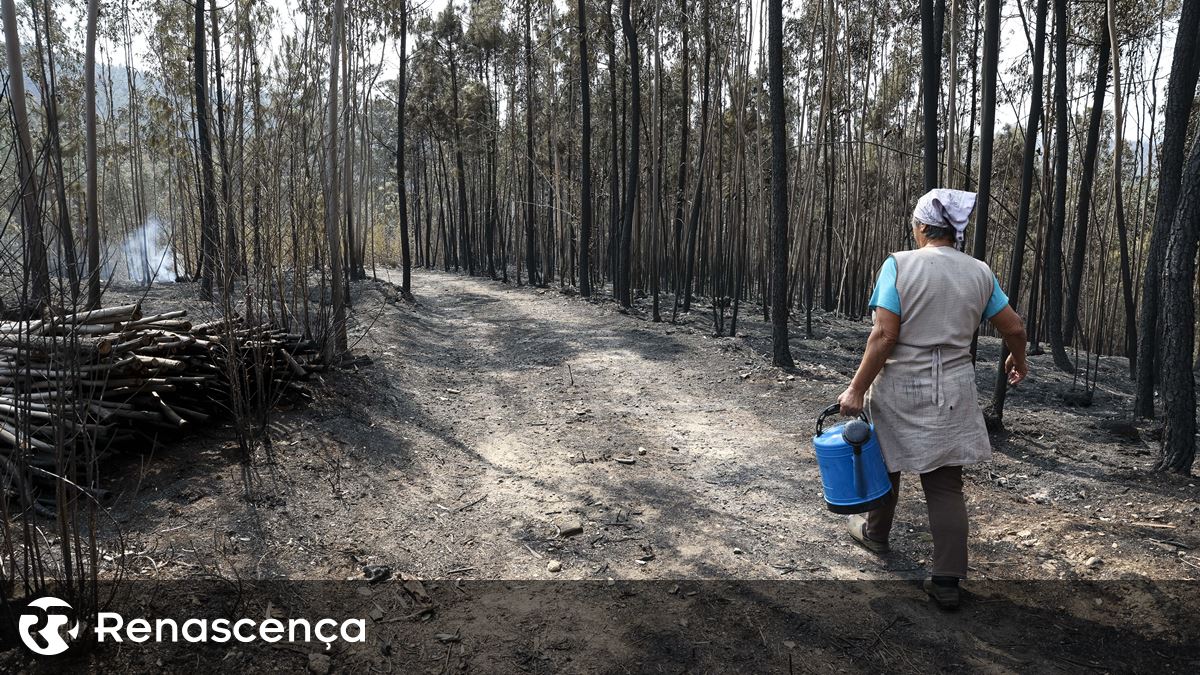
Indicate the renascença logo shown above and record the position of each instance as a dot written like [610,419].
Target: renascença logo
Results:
[52,641]
[112,627]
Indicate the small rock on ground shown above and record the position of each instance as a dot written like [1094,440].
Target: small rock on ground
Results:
[318,664]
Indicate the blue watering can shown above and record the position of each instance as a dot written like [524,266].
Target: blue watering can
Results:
[853,473]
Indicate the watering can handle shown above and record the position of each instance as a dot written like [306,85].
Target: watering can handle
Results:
[833,410]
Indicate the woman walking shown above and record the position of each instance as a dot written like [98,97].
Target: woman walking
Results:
[917,379]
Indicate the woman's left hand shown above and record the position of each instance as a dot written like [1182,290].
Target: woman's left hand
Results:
[851,402]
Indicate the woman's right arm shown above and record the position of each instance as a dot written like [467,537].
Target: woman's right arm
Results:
[1010,326]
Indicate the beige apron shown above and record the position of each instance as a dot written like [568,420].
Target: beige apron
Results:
[924,403]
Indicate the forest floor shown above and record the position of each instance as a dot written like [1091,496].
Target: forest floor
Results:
[499,432]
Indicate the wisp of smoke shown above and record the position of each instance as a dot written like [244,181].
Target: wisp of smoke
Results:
[148,259]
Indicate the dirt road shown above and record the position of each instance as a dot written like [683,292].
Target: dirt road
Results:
[502,439]
[678,455]
[494,420]
[498,429]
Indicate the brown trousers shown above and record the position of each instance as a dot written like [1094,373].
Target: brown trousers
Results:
[947,519]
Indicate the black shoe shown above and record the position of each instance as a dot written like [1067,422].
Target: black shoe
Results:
[946,595]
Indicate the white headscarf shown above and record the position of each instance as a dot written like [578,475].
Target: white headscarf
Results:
[943,207]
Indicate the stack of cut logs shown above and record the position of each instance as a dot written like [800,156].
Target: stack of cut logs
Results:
[113,377]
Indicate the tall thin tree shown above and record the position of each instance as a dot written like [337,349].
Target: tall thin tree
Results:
[401,184]
[987,123]
[781,353]
[230,265]
[681,178]
[452,33]
[1017,261]
[91,208]
[1053,277]
[585,175]
[698,196]
[336,347]
[50,96]
[210,233]
[36,265]
[931,86]
[1118,193]
[530,236]
[632,171]
[1084,208]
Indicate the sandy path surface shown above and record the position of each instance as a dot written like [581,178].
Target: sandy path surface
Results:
[532,399]
[476,450]
[492,420]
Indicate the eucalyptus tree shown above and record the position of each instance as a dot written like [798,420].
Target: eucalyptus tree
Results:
[1130,342]
[781,352]
[987,129]
[335,348]
[1017,260]
[684,122]
[44,19]
[487,37]
[633,172]
[231,231]
[531,260]
[697,198]
[211,261]
[401,143]
[1083,210]
[585,173]
[36,268]
[447,35]
[1054,234]
[931,84]
[91,207]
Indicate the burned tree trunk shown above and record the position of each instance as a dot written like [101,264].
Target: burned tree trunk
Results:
[91,209]
[1053,278]
[991,58]
[464,213]
[1179,338]
[1181,92]
[931,75]
[530,237]
[1083,210]
[632,173]
[698,198]
[681,184]
[210,234]
[585,176]
[1118,194]
[1027,174]
[401,186]
[229,268]
[336,345]
[781,353]
[49,88]
[36,266]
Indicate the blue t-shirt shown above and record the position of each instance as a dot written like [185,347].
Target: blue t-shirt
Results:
[886,296]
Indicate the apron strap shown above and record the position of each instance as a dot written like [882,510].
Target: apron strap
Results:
[936,376]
